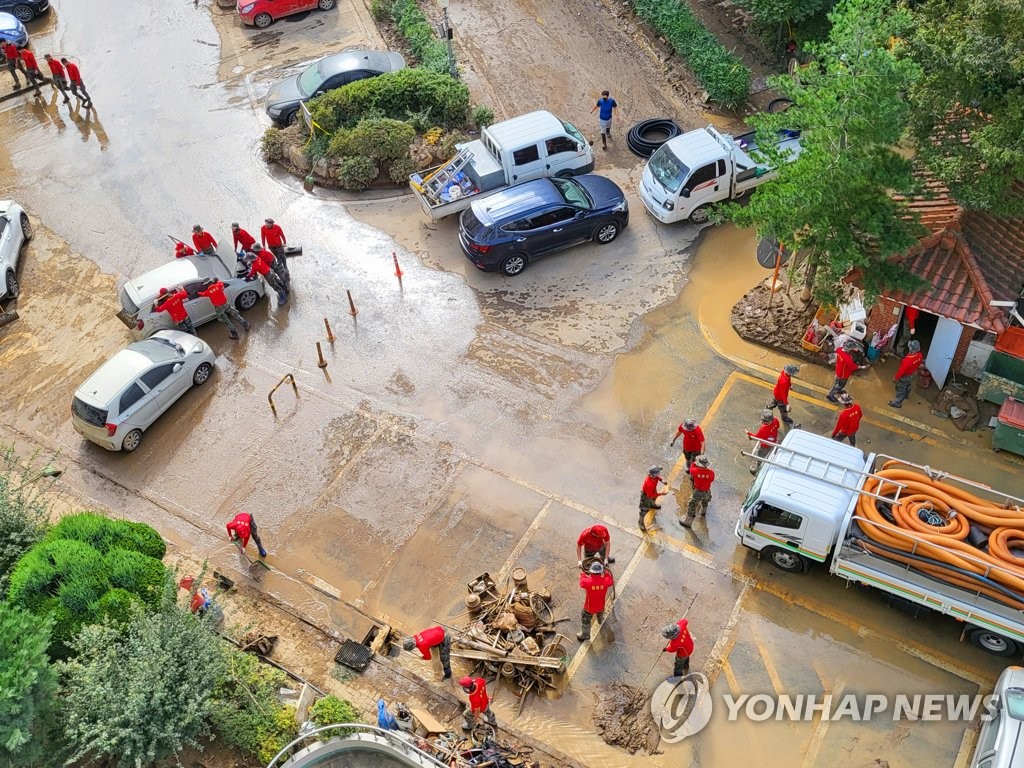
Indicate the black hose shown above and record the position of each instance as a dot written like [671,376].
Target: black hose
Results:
[647,135]
[861,536]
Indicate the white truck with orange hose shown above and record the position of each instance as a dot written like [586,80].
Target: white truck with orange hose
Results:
[926,537]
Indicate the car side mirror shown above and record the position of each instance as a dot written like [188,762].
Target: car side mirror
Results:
[580,214]
[684,192]
[591,143]
[177,367]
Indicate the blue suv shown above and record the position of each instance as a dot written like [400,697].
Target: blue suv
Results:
[507,230]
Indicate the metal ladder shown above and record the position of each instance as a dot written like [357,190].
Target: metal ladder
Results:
[435,183]
[820,469]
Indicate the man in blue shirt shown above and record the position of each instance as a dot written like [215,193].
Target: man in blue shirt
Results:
[607,106]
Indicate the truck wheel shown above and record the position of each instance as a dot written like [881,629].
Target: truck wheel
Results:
[785,560]
[700,214]
[992,643]
[513,265]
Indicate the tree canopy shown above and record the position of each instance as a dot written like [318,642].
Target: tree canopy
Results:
[27,686]
[835,203]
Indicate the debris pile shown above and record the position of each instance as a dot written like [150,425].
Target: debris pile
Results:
[511,634]
[462,752]
[623,719]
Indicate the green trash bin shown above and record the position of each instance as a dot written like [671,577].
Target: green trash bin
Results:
[1009,431]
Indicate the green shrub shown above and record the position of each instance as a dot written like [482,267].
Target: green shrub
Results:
[136,573]
[401,168]
[415,27]
[357,172]
[381,9]
[117,607]
[721,73]
[24,519]
[381,138]
[272,145]
[245,711]
[394,95]
[446,146]
[482,117]
[331,710]
[104,534]
[88,568]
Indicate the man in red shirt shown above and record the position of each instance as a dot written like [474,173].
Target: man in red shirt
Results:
[273,262]
[241,240]
[595,541]
[649,495]
[242,528]
[780,395]
[203,241]
[681,644]
[433,637]
[214,291]
[32,73]
[769,431]
[904,377]
[595,585]
[77,86]
[849,420]
[174,305]
[693,440]
[259,267]
[13,62]
[272,237]
[702,476]
[58,77]
[181,250]
[845,367]
[479,703]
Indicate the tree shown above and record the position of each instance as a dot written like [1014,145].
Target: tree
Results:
[27,687]
[968,115]
[137,694]
[24,517]
[835,203]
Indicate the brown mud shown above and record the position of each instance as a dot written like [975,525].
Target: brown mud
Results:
[778,320]
[623,719]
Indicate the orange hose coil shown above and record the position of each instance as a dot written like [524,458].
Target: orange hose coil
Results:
[945,543]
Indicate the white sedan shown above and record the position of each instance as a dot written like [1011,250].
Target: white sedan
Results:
[125,395]
[16,231]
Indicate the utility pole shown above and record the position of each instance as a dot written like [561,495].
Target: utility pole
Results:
[446,30]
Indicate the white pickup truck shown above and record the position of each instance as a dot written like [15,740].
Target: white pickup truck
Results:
[524,148]
[689,173]
[815,500]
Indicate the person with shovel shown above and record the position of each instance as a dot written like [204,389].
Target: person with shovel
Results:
[780,394]
[595,541]
[767,435]
[681,644]
[427,639]
[595,585]
[479,703]
[693,440]
[649,495]
[241,529]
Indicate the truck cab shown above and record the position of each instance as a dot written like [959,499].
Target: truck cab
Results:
[789,514]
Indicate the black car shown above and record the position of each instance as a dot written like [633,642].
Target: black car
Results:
[24,10]
[509,229]
[330,72]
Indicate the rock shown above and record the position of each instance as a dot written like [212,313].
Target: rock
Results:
[298,159]
[321,169]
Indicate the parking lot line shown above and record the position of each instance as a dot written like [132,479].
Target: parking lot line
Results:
[766,659]
[523,541]
[719,654]
[730,679]
[963,755]
[821,730]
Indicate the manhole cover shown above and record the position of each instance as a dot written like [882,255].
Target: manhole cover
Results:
[354,655]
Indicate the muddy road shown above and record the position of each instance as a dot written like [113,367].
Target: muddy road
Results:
[466,422]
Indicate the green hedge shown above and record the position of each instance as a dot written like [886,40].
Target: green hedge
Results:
[721,73]
[414,26]
[396,95]
[89,568]
[380,138]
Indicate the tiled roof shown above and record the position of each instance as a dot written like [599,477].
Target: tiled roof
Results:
[969,259]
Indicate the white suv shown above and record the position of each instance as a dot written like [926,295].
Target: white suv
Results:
[1001,741]
[130,391]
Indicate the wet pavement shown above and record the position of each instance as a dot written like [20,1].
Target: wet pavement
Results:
[465,423]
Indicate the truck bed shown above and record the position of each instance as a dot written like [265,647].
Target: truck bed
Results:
[853,563]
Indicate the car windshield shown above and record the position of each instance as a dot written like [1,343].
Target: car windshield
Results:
[667,169]
[573,131]
[1015,703]
[573,193]
[310,80]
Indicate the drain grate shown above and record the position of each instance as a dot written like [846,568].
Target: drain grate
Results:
[354,655]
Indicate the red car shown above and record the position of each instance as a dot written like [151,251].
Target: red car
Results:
[263,13]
